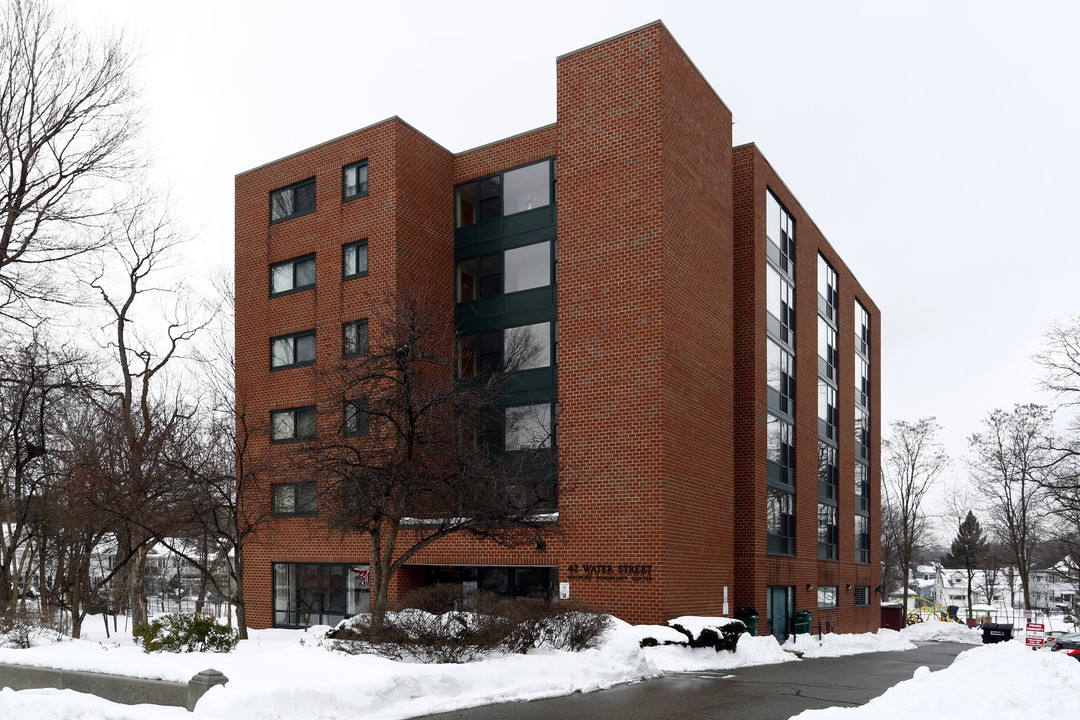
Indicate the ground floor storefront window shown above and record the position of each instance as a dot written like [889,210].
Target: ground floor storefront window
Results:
[508,582]
[308,594]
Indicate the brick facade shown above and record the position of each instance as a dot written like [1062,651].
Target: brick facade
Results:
[661,331]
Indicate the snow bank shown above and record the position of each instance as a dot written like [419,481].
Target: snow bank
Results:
[938,631]
[750,651]
[1005,681]
[838,644]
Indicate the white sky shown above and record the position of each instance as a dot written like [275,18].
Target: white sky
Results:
[934,143]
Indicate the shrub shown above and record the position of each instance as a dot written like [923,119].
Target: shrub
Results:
[726,639]
[186,632]
[438,629]
[24,630]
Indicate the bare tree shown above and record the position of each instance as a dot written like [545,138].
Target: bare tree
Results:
[410,452]
[67,121]
[1010,465]
[134,461]
[913,461]
[993,560]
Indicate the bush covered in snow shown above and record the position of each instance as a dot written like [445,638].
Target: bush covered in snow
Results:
[186,632]
[441,625]
[26,630]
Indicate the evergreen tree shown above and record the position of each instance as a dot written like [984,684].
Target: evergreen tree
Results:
[967,551]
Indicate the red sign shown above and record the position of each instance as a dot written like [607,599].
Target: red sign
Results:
[1035,636]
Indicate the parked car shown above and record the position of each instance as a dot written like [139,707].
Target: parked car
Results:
[1053,635]
[1068,644]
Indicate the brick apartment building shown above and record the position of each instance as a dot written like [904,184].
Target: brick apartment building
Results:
[717,362]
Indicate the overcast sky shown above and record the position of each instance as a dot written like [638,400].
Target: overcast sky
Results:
[934,143]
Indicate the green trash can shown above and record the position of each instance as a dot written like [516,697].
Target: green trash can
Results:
[749,618]
[803,620]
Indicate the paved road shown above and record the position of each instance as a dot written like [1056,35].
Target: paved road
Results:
[765,692]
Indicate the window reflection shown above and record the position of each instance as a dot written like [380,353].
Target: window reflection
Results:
[527,347]
[528,267]
[527,188]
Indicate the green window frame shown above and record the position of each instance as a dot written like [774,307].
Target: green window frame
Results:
[354,338]
[293,350]
[293,275]
[296,499]
[354,259]
[354,180]
[292,201]
[307,594]
[827,597]
[355,420]
[292,424]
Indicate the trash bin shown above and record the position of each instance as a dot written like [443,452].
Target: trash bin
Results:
[749,618]
[996,632]
[803,620]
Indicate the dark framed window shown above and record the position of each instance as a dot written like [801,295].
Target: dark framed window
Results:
[515,191]
[356,418]
[527,347]
[292,200]
[828,473]
[780,304]
[287,351]
[828,353]
[529,426]
[828,532]
[862,381]
[780,231]
[862,539]
[862,595]
[828,412]
[354,180]
[354,259]
[780,451]
[780,372]
[826,597]
[307,594]
[862,330]
[780,522]
[862,487]
[292,424]
[828,289]
[862,434]
[354,338]
[292,275]
[294,499]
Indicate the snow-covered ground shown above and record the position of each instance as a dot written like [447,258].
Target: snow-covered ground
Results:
[286,674]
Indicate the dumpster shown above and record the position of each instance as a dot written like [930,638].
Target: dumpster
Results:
[803,620]
[996,632]
[749,618]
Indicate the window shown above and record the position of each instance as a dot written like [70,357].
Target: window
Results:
[780,522]
[826,597]
[828,414]
[780,230]
[862,539]
[527,347]
[862,595]
[828,355]
[354,180]
[354,338]
[862,487]
[354,259]
[356,418]
[780,451]
[862,433]
[289,202]
[292,275]
[294,499]
[781,306]
[308,594]
[528,426]
[522,268]
[780,371]
[288,351]
[828,294]
[528,267]
[515,191]
[828,533]
[862,330]
[828,473]
[292,424]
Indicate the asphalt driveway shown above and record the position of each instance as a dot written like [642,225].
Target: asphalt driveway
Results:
[764,692]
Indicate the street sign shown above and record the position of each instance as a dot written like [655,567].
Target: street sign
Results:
[1036,636]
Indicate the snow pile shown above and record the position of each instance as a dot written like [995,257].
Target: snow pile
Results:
[750,651]
[696,624]
[938,631]
[1004,681]
[838,644]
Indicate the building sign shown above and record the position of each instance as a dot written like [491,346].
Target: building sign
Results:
[609,573]
[1036,636]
